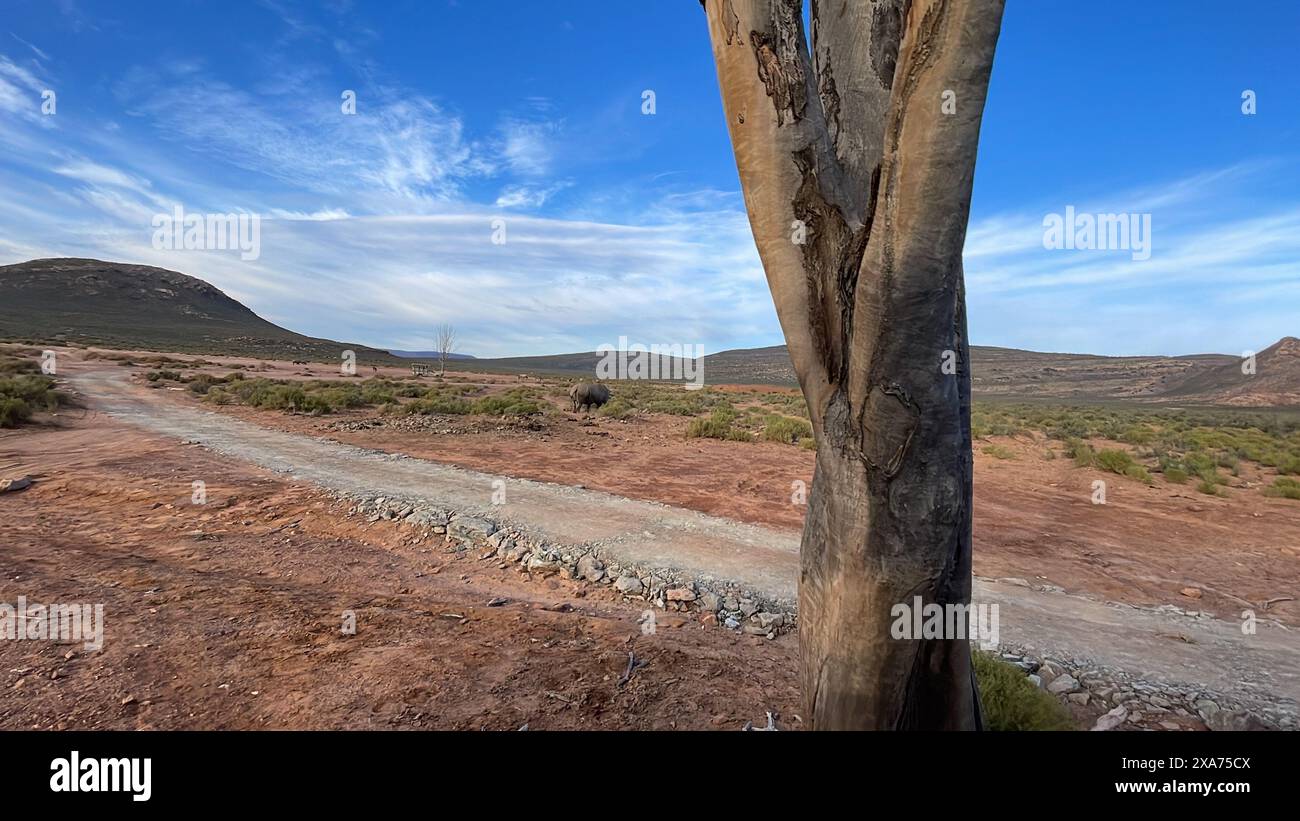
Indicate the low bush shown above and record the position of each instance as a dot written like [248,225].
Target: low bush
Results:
[999,452]
[1011,701]
[25,394]
[786,430]
[718,425]
[1285,487]
[1115,461]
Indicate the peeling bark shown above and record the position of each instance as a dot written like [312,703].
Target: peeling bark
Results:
[848,138]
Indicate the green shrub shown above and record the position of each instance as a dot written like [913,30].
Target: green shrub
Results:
[1176,476]
[514,402]
[202,383]
[617,408]
[1208,488]
[439,405]
[13,412]
[718,425]
[1081,452]
[284,397]
[1116,461]
[219,396]
[341,396]
[1136,471]
[999,452]
[1011,702]
[23,395]
[1285,487]
[786,430]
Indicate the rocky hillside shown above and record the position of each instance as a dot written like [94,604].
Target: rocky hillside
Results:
[112,304]
[1272,379]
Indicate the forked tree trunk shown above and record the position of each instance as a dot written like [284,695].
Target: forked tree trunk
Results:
[857,163]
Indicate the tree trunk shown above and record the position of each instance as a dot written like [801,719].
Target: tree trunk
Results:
[857,162]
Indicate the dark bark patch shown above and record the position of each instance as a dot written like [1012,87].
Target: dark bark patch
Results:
[886,33]
[830,97]
[780,60]
[832,254]
[889,421]
[730,23]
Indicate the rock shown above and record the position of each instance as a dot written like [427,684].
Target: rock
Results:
[753,629]
[1111,720]
[730,603]
[1206,708]
[629,585]
[471,527]
[680,594]
[1064,683]
[709,602]
[731,624]
[1235,721]
[1035,680]
[540,564]
[1191,592]
[770,621]
[748,607]
[429,517]
[1171,725]
[20,483]
[590,568]
[1079,698]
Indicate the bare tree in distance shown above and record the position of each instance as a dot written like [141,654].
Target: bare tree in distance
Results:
[446,346]
[857,159]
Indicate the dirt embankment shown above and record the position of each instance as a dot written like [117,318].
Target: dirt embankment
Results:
[229,614]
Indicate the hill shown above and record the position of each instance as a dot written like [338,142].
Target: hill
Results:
[86,301]
[1208,379]
[112,304]
[1274,378]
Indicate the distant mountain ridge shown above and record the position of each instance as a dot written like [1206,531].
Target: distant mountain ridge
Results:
[426,354]
[113,304]
[86,301]
[1211,379]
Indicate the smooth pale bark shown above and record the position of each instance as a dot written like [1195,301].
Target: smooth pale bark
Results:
[870,143]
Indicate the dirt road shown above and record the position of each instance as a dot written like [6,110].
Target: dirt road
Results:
[1202,652]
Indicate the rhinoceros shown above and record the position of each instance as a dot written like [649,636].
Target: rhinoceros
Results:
[586,394]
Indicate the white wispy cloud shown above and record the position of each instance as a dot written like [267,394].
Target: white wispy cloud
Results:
[1213,245]
[378,226]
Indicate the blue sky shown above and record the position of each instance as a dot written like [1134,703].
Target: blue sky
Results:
[376,227]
